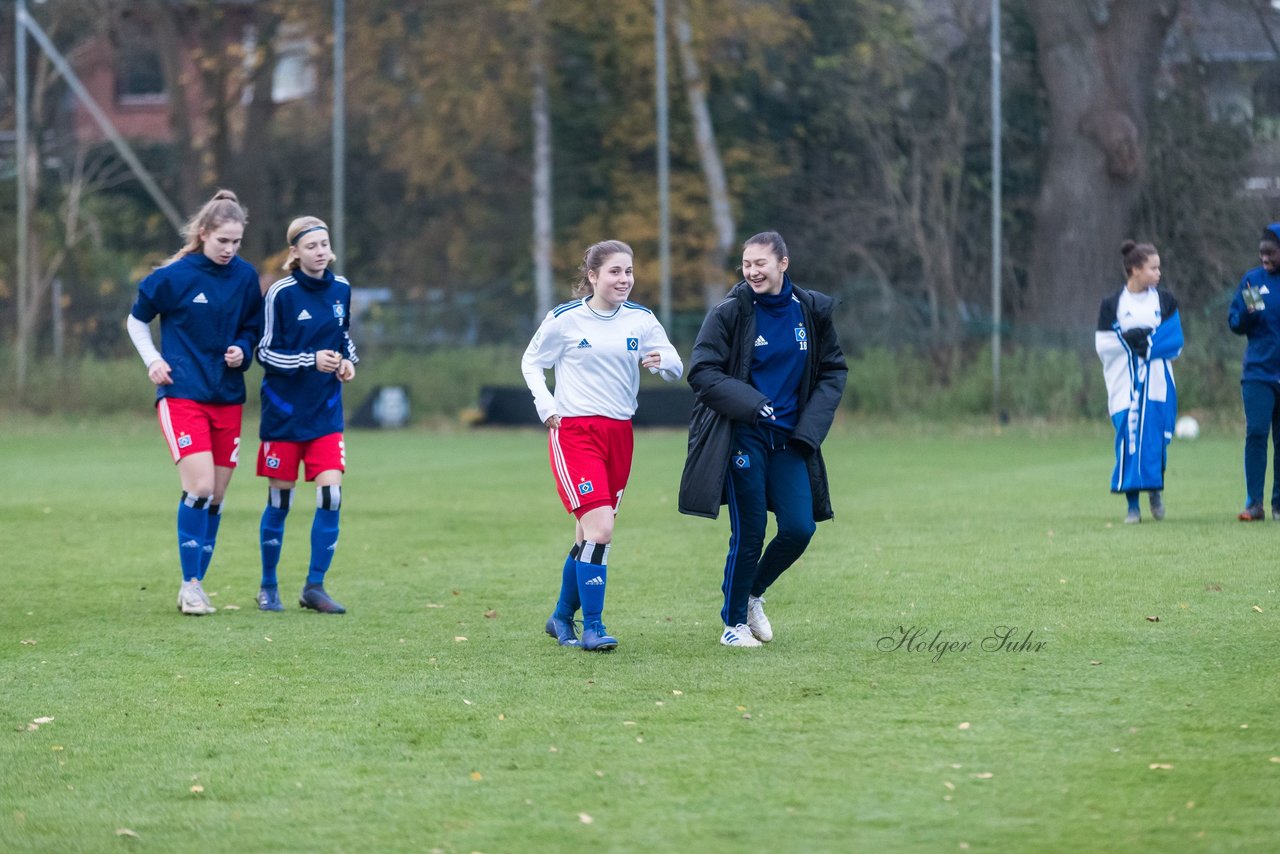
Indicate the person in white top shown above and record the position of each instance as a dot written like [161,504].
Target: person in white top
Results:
[597,345]
[1138,336]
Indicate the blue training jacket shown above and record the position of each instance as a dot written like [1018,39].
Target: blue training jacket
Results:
[1262,328]
[303,315]
[204,308]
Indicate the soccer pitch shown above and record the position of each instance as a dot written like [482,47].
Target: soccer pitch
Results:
[1128,703]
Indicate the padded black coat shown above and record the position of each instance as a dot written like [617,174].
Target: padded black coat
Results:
[719,371]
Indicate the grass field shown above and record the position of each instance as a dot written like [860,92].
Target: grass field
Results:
[437,715]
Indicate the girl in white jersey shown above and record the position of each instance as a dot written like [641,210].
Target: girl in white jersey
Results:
[596,344]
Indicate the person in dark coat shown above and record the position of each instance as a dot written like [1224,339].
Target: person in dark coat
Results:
[768,374]
[1256,316]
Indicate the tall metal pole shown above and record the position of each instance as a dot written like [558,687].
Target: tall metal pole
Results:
[996,219]
[664,164]
[20,154]
[338,228]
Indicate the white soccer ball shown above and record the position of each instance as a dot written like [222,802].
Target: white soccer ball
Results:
[1186,428]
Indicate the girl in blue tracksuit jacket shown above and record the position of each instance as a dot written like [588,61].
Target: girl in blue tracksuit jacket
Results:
[307,354]
[1255,313]
[210,309]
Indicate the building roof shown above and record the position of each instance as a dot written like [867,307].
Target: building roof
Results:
[1225,31]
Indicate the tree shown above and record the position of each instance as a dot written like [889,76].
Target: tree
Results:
[1098,61]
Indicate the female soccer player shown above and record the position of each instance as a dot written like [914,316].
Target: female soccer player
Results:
[307,354]
[1139,333]
[210,309]
[597,345]
[769,374]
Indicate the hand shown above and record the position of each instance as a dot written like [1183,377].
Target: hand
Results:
[234,357]
[1138,339]
[327,361]
[553,422]
[346,371]
[159,372]
[766,411]
[652,361]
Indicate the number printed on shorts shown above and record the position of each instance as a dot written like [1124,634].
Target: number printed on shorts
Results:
[342,453]
[235,452]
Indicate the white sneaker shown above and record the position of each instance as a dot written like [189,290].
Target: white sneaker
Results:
[739,635]
[191,599]
[757,621]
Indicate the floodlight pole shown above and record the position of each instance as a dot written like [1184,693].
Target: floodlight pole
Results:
[20,155]
[337,232]
[996,219]
[664,164]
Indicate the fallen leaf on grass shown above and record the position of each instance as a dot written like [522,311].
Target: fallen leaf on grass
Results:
[267,639]
[950,785]
[434,605]
[963,725]
[746,716]
[501,717]
[30,642]
[1094,662]
[1153,619]
[1244,726]
[1213,588]
[465,700]
[491,614]
[584,818]
[1256,608]
[1160,766]
[458,639]
[231,607]
[741,708]
[1275,759]
[44,720]
[197,789]
[628,723]
[475,775]
[983,775]
[124,831]
[676,693]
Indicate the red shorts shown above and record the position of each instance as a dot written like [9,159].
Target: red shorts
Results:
[281,459]
[192,428]
[591,461]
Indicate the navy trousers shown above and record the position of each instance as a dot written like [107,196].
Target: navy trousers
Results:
[1261,416]
[764,474]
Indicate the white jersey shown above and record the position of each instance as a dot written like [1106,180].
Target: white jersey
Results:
[596,359]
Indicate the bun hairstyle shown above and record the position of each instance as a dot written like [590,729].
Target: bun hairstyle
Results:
[299,227]
[771,239]
[593,259]
[1135,254]
[224,207]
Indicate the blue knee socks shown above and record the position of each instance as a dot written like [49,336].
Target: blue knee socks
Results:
[193,523]
[271,533]
[592,576]
[569,603]
[210,538]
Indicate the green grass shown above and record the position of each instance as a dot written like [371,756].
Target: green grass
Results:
[384,730]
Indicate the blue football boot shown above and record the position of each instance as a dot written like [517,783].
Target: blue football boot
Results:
[596,638]
[314,597]
[562,631]
[269,599]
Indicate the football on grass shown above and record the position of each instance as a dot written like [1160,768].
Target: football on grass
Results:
[1186,427]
